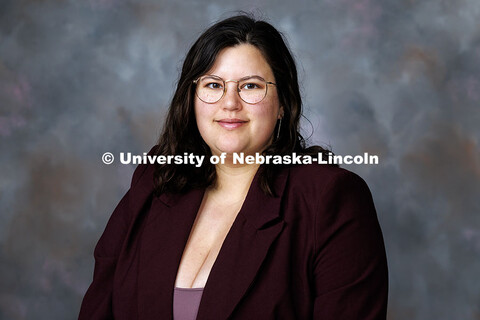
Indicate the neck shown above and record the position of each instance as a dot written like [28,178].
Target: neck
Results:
[233,182]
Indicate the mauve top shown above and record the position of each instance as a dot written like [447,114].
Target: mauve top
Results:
[186,302]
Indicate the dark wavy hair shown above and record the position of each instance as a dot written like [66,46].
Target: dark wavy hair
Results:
[180,133]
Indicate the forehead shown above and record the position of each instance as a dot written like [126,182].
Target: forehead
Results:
[241,61]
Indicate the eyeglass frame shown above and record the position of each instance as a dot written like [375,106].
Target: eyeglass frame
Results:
[238,88]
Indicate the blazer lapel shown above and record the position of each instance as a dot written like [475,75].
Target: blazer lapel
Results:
[163,241]
[256,227]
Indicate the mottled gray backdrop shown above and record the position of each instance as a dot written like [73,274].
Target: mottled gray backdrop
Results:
[398,78]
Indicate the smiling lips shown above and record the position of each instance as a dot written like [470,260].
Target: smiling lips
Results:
[231,124]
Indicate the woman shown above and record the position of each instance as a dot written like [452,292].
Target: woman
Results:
[233,241]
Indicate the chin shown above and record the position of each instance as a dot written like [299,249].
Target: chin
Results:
[245,151]
[231,150]
[231,146]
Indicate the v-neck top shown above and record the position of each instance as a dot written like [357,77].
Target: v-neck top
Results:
[186,302]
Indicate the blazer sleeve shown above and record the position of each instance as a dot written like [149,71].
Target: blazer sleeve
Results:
[97,302]
[350,266]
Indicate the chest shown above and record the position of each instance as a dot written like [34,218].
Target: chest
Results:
[208,233]
[247,258]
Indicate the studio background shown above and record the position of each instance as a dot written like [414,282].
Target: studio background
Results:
[400,79]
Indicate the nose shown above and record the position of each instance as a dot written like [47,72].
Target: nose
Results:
[231,100]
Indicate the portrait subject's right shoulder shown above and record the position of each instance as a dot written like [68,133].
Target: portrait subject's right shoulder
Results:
[143,174]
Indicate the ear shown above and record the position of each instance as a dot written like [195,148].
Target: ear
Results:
[280,113]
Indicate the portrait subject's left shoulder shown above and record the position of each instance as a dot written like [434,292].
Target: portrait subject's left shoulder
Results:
[347,237]
[316,178]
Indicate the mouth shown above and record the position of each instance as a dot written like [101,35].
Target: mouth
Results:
[231,124]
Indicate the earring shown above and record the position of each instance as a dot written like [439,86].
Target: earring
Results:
[279,126]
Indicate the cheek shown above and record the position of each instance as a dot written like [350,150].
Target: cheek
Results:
[267,113]
[200,120]
[265,124]
[202,115]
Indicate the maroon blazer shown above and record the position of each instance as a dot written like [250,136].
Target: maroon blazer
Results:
[313,252]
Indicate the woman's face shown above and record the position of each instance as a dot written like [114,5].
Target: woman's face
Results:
[230,124]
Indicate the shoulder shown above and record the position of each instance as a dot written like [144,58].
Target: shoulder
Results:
[322,179]
[331,194]
[143,174]
[126,211]
[340,202]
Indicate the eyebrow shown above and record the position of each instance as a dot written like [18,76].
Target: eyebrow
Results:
[243,78]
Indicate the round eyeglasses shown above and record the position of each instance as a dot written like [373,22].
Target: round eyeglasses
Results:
[251,89]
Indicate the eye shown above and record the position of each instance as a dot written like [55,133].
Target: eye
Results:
[213,85]
[252,85]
